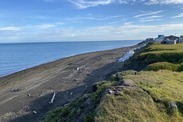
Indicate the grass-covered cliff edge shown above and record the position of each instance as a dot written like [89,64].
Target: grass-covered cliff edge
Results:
[152,93]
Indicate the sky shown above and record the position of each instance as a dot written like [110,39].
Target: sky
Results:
[88,20]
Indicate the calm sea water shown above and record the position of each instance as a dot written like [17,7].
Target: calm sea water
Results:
[18,56]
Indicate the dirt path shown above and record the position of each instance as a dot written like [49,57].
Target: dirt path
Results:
[69,77]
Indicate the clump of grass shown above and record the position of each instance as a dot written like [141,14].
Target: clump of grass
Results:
[161,66]
[89,117]
[119,75]
[131,105]
[67,112]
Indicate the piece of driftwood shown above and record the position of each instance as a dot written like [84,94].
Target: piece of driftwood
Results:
[52,99]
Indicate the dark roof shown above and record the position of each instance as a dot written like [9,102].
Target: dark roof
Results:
[171,37]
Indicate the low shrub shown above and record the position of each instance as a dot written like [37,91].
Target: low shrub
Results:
[161,66]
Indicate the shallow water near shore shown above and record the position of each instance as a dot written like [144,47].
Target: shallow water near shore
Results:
[19,56]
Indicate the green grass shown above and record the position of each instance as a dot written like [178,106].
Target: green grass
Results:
[65,113]
[148,101]
[159,56]
[180,67]
[155,88]
[162,66]
[81,109]
[160,53]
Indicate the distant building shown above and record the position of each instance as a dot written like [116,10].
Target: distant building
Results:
[180,39]
[166,39]
[160,38]
[170,40]
[148,40]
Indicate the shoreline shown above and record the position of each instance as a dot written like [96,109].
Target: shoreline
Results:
[70,77]
[46,63]
[22,60]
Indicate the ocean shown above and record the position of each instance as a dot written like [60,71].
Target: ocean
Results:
[15,57]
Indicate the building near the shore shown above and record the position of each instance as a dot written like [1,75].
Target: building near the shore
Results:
[170,40]
[148,40]
[180,39]
[166,39]
[160,38]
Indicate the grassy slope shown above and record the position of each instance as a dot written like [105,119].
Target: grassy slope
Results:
[160,56]
[168,57]
[147,100]
[81,109]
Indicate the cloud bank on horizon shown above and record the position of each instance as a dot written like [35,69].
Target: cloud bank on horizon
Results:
[88,20]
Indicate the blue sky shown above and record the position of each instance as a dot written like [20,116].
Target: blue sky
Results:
[88,20]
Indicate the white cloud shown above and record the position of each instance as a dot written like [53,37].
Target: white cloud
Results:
[60,23]
[149,16]
[79,19]
[151,2]
[45,26]
[149,20]
[178,16]
[126,31]
[82,4]
[128,23]
[10,28]
[148,13]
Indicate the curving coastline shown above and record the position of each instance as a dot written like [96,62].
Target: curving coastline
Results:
[25,95]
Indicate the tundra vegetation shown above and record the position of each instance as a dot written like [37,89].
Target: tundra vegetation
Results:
[153,95]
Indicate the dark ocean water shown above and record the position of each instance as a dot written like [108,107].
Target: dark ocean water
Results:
[18,56]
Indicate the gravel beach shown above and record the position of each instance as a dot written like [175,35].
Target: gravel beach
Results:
[25,95]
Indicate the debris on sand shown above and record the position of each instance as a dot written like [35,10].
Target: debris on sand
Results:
[110,91]
[52,99]
[71,93]
[115,91]
[14,90]
[34,112]
[77,68]
[75,79]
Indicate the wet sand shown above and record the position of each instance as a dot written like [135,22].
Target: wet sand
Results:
[25,95]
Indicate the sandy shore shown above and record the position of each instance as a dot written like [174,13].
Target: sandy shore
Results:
[68,77]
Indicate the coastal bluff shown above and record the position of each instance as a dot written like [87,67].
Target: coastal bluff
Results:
[25,95]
